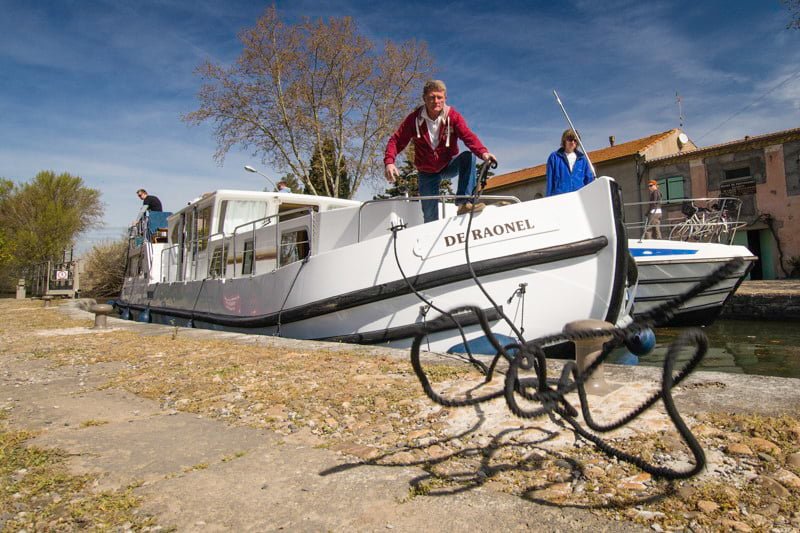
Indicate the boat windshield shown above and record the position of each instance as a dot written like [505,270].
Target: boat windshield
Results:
[234,213]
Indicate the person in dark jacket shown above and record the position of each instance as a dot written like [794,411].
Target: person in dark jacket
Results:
[152,202]
[567,168]
[435,129]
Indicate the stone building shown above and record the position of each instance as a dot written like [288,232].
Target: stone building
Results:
[764,173]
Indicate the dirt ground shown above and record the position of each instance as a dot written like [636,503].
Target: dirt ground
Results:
[145,427]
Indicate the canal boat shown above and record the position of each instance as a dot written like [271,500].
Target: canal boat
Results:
[311,267]
[669,268]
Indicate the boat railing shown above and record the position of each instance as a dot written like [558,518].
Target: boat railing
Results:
[441,197]
[692,219]
[252,225]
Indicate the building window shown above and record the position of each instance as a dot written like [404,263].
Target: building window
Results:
[671,188]
[737,174]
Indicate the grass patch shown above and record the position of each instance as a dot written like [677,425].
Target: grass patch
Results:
[236,455]
[38,492]
[198,466]
[92,423]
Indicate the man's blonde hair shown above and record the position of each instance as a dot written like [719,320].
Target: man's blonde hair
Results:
[433,85]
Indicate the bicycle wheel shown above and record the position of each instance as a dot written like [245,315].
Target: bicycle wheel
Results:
[680,232]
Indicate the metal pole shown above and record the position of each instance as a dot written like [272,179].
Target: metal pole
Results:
[580,143]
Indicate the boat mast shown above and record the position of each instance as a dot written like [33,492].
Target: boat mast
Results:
[580,142]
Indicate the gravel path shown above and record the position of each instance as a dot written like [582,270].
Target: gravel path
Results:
[222,431]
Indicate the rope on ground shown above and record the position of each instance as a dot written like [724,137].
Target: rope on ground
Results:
[530,355]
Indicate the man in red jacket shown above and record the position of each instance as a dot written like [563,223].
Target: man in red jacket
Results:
[435,129]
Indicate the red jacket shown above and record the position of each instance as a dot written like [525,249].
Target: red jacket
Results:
[426,159]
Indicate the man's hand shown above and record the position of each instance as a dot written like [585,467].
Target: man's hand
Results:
[391,173]
[489,157]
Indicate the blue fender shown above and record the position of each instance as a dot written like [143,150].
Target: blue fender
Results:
[144,316]
[641,342]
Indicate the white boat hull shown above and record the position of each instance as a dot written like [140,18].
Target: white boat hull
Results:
[570,250]
[670,268]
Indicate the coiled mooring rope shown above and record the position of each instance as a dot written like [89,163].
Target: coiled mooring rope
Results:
[527,355]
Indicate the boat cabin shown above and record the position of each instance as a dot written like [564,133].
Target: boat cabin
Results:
[229,233]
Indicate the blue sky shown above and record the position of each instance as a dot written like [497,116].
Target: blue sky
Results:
[97,87]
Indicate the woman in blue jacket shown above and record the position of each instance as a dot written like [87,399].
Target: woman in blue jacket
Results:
[567,168]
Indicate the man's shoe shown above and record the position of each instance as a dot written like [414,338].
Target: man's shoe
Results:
[467,207]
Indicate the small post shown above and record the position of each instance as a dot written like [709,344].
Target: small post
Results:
[47,299]
[101,311]
[587,350]
[20,289]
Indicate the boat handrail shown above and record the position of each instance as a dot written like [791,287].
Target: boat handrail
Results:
[309,210]
[442,197]
[717,220]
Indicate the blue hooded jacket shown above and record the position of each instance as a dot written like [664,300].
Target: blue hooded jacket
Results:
[560,179]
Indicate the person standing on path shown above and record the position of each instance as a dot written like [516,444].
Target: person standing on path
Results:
[568,169]
[435,129]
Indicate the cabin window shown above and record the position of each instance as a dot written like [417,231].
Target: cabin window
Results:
[247,258]
[285,207]
[189,235]
[233,213]
[294,246]
[175,235]
[672,188]
[219,258]
[203,227]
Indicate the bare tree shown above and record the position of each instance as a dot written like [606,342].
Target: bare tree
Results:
[297,87]
[794,8]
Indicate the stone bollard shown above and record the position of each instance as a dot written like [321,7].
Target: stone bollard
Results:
[47,300]
[101,311]
[587,350]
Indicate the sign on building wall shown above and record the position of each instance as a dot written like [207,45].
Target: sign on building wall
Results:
[742,188]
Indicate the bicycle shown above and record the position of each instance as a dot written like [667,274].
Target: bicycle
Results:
[702,224]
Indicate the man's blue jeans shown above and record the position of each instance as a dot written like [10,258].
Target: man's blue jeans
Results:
[462,165]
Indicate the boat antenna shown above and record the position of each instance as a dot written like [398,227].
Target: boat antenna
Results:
[580,143]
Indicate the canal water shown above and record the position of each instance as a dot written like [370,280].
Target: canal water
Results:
[737,346]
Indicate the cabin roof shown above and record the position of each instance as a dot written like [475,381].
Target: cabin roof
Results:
[236,194]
